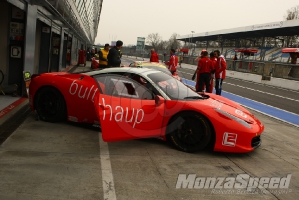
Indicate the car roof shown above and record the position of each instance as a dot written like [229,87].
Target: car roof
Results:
[146,63]
[143,71]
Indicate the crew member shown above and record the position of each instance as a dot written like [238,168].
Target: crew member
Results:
[197,71]
[220,71]
[154,56]
[205,66]
[173,62]
[103,54]
[214,61]
[114,55]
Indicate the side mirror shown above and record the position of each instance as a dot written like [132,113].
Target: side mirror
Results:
[159,100]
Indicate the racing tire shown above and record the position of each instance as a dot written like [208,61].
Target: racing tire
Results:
[50,105]
[189,132]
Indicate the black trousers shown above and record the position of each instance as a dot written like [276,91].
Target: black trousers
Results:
[204,80]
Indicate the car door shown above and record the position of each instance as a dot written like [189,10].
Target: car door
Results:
[127,108]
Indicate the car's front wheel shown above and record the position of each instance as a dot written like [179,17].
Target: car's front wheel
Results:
[50,105]
[189,131]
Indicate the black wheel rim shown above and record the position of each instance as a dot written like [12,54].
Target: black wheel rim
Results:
[191,131]
[48,104]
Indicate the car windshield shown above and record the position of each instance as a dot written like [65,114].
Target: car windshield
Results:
[173,88]
[163,69]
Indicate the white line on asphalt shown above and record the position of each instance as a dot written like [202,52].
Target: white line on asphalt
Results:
[256,90]
[262,92]
[107,176]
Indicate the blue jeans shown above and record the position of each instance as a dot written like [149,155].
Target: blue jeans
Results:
[218,86]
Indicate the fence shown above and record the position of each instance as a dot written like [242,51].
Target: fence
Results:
[264,68]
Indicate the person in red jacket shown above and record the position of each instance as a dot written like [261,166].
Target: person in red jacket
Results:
[197,71]
[173,61]
[220,71]
[154,56]
[205,66]
[214,61]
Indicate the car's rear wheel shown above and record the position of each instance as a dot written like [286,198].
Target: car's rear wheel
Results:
[189,131]
[50,105]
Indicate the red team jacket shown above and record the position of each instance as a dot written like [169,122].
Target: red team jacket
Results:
[205,65]
[220,69]
[154,57]
[172,63]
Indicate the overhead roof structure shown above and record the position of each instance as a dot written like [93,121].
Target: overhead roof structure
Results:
[81,17]
[273,29]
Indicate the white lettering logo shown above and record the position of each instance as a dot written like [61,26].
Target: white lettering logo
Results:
[229,139]
[216,104]
[242,181]
[119,116]
[82,92]
[241,113]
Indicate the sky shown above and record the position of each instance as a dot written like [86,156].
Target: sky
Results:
[128,19]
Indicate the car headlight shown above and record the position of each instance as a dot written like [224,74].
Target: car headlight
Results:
[244,123]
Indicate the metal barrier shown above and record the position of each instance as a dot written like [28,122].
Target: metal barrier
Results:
[263,68]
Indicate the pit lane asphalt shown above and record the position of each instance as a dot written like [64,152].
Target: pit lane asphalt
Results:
[43,160]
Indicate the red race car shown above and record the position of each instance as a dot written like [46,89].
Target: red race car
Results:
[134,103]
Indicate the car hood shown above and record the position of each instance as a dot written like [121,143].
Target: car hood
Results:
[225,105]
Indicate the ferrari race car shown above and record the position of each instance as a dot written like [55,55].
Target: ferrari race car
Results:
[133,103]
[157,66]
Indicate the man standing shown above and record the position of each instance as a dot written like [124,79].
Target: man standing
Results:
[205,67]
[197,71]
[173,61]
[214,61]
[154,56]
[103,54]
[114,55]
[220,71]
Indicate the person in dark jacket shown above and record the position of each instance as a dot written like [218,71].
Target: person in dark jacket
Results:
[114,55]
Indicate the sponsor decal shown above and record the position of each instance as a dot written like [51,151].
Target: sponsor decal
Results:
[241,184]
[267,26]
[81,92]
[216,104]
[122,114]
[229,139]
[241,113]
